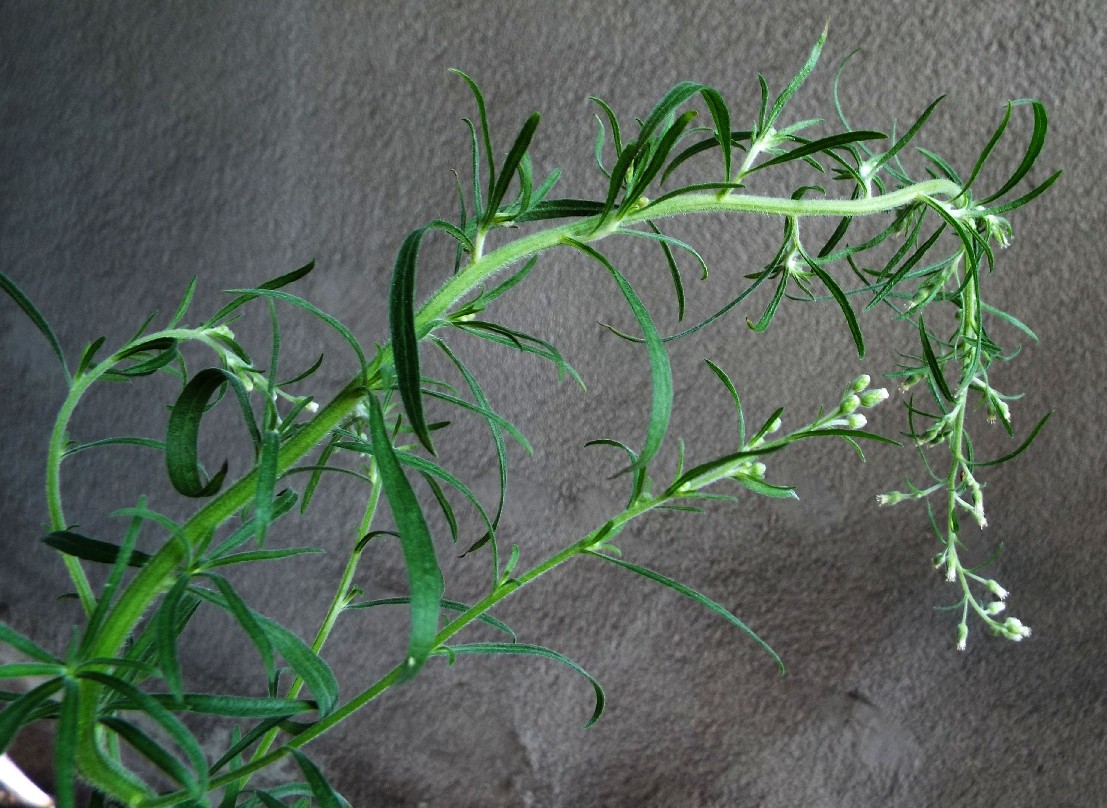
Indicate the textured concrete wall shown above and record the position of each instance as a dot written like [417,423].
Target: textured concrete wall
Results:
[141,144]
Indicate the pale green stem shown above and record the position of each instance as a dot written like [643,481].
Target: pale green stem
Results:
[396,674]
[149,583]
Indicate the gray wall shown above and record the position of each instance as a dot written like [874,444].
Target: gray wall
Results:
[144,144]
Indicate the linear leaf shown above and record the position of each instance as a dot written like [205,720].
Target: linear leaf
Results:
[661,375]
[1022,448]
[35,316]
[523,649]
[275,283]
[511,164]
[405,342]
[183,432]
[424,577]
[323,791]
[932,363]
[451,605]
[691,593]
[100,552]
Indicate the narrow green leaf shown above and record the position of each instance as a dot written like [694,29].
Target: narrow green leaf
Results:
[35,316]
[100,552]
[643,178]
[276,283]
[115,578]
[721,116]
[88,355]
[183,432]
[154,752]
[488,151]
[485,413]
[268,466]
[770,310]
[511,164]
[1033,148]
[824,144]
[314,310]
[25,646]
[1027,197]
[405,342]
[450,605]
[122,441]
[424,577]
[843,303]
[19,670]
[1022,447]
[1010,319]
[323,791]
[65,748]
[261,555]
[307,664]
[494,428]
[182,309]
[908,136]
[247,619]
[616,133]
[661,376]
[235,706]
[166,634]
[167,352]
[698,597]
[523,649]
[765,489]
[161,716]
[932,363]
[793,85]
[283,503]
[17,712]
[725,379]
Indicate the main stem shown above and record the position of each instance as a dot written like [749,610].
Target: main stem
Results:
[159,571]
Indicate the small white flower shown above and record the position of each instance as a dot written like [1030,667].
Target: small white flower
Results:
[1015,630]
[860,383]
[995,607]
[873,397]
[891,498]
[856,420]
[312,406]
[962,637]
[997,590]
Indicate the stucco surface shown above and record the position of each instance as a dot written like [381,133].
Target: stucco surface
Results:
[142,144]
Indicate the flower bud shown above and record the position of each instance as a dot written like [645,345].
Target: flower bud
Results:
[860,383]
[873,397]
[995,607]
[962,636]
[856,421]
[849,404]
[997,590]
[1015,630]
[891,498]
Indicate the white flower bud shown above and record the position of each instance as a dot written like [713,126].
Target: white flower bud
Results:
[860,383]
[873,397]
[995,607]
[962,636]
[1015,630]
[849,404]
[856,420]
[891,498]
[997,590]
[312,406]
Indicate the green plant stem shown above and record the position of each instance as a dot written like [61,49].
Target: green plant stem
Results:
[152,580]
[395,675]
[338,603]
